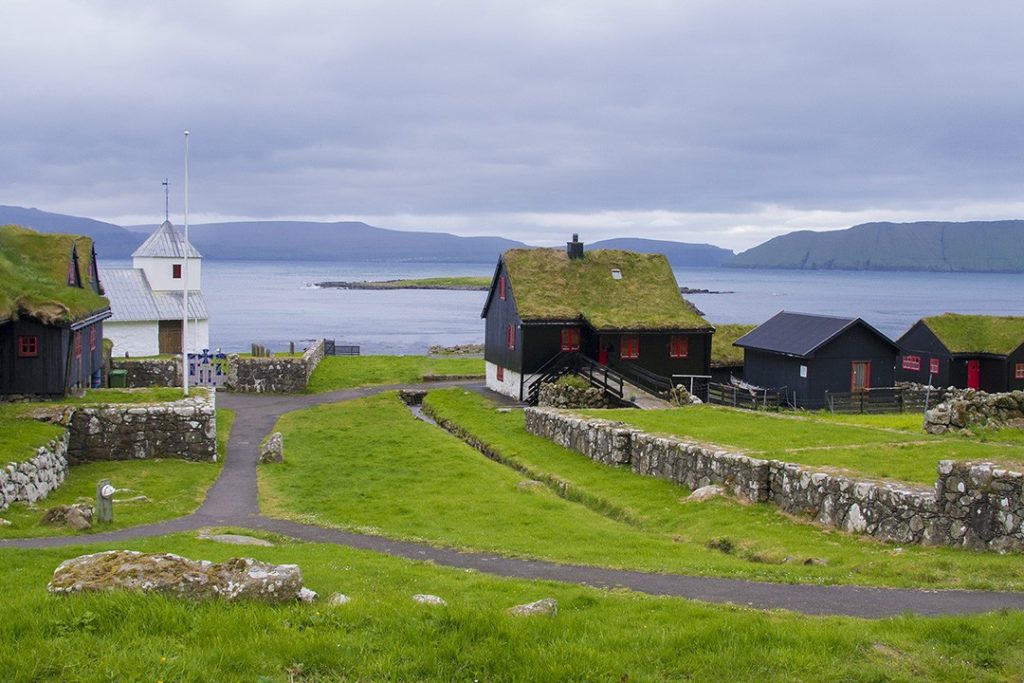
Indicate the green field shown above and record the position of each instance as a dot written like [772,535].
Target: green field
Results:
[347,372]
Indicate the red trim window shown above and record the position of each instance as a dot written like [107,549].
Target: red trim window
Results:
[28,346]
[1018,371]
[933,366]
[78,344]
[678,346]
[511,334]
[570,339]
[176,271]
[501,287]
[911,362]
[630,344]
[499,374]
[92,338]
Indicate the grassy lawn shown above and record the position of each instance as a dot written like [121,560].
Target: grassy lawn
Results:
[347,372]
[370,466]
[382,635]
[869,446]
[21,436]
[173,487]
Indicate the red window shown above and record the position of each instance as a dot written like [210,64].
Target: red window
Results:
[570,339]
[511,336]
[500,374]
[501,287]
[678,346]
[1018,371]
[933,366]
[176,271]
[92,338]
[630,344]
[78,344]
[911,362]
[28,346]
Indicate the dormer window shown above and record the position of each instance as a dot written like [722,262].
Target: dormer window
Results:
[176,271]
[616,274]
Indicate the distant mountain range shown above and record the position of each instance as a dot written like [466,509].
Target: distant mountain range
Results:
[678,253]
[991,246]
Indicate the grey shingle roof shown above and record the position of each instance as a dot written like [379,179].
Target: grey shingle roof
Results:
[132,298]
[166,242]
[799,334]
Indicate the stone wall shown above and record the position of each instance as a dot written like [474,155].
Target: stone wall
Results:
[34,479]
[557,395]
[274,374]
[972,505]
[972,408]
[150,372]
[185,429]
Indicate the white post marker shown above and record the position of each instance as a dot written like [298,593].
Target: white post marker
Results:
[184,307]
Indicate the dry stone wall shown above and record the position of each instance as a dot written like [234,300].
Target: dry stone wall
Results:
[972,505]
[976,409]
[34,479]
[280,375]
[185,429]
[150,372]
[556,395]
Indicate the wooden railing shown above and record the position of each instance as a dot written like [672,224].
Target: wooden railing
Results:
[737,397]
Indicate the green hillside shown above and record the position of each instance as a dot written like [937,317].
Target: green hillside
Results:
[996,246]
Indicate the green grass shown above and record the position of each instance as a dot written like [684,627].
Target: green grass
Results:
[977,333]
[722,350]
[382,635]
[862,450]
[20,436]
[369,466]
[476,282]
[174,488]
[347,372]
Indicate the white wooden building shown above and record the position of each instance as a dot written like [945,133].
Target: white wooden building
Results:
[146,300]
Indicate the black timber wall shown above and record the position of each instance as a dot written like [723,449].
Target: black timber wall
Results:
[500,314]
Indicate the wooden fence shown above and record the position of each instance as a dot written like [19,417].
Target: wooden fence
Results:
[751,399]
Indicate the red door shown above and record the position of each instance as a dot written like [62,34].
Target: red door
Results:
[602,356]
[974,374]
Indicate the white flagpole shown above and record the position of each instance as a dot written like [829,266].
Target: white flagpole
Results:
[184,312]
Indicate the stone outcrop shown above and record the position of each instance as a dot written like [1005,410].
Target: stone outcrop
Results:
[969,408]
[34,479]
[77,516]
[273,374]
[425,599]
[239,578]
[555,395]
[272,449]
[972,505]
[149,372]
[185,429]
[546,607]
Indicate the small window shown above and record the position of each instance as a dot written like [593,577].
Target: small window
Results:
[911,362]
[78,344]
[630,344]
[570,339]
[501,287]
[678,346]
[803,371]
[499,374]
[176,271]
[92,338]
[1018,371]
[933,366]
[28,346]
[511,336]
[616,274]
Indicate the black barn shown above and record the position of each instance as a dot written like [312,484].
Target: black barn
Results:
[808,356]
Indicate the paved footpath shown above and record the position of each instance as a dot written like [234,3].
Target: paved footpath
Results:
[233,501]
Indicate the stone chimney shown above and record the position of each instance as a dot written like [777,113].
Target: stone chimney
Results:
[574,249]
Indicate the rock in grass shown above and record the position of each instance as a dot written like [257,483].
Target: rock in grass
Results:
[273,449]
[77,516]
[424,599]
[338,599]
[238,578]
[548,606]
[705,493]
[5,522]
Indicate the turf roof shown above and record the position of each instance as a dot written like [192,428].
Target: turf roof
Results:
[33,276]
[961,333]
[548,285]
[723,353]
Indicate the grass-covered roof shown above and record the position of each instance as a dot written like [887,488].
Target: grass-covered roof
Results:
[723,353]
[977,333]
[34,272]
[548,285]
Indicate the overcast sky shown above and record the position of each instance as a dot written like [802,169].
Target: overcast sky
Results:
[718,121]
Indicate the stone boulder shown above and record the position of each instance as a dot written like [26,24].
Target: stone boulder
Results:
[238,578]
[680,396]
[547,606]
[273,449]
[424,599]
[77,516]
[705,493]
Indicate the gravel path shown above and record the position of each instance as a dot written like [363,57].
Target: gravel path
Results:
[233,501]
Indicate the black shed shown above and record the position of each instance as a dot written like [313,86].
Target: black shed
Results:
[808,356]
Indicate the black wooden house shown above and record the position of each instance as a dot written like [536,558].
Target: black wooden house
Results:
[983,352]
[51,313]
[807,357]
[611,307]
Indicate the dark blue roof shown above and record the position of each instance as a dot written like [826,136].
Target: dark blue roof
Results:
[800,334]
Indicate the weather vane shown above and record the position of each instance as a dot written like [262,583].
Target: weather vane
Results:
[167,200]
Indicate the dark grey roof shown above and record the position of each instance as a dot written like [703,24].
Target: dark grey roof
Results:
[165,242]
[133,299]
[799,334]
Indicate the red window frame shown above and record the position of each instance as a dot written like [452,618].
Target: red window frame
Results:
[501,287]
[1018,371]
[629,346]
[78,344]
[176,271]
[499,374]
[570,339]
[511,334]
[678,346]
[933,366]
[28,346]
[911,362]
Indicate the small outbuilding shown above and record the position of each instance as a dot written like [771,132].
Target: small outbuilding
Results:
[807,356]
[52,310]
[983,352]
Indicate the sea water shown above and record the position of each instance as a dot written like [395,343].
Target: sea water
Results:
[276,302]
